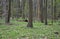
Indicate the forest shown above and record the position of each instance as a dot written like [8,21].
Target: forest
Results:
[29,19]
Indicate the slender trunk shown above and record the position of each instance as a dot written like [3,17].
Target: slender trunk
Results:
[4,4]
[52,10]
[0,9]
[46,12]
[23,14]
[41,10]
[38,10]
[55,18]
[9,13]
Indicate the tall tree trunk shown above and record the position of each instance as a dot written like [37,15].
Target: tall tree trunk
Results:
[45,12]
[41,10]
[52,10]
[23,14]
[1,9]
[4,4]
[30,19]
[55,18]
[38,10]
[18,14]
[9,13]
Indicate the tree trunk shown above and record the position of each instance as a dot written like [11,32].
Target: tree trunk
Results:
[41,9]
[9,13]
[38,10]
[55,18]
[45,12]
[0,9]
[52,10]
[23,14]
[30,19]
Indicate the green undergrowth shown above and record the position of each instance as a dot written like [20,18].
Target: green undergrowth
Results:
[19,30]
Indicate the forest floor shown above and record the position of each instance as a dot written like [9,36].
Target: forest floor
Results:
[19,30]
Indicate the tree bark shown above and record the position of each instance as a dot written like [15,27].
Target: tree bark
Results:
[23,3]
[9,13]
[55,18]
[30,19]
[52,10]
[41,10]
[46,12]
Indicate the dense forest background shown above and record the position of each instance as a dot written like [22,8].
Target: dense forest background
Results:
[31,19]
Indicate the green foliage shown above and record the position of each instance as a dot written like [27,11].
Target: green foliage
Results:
[18,30]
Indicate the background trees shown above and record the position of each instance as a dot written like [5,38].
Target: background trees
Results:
[38,15]
[42,10]
[0,9]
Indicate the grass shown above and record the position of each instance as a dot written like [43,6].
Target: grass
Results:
[18,30]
